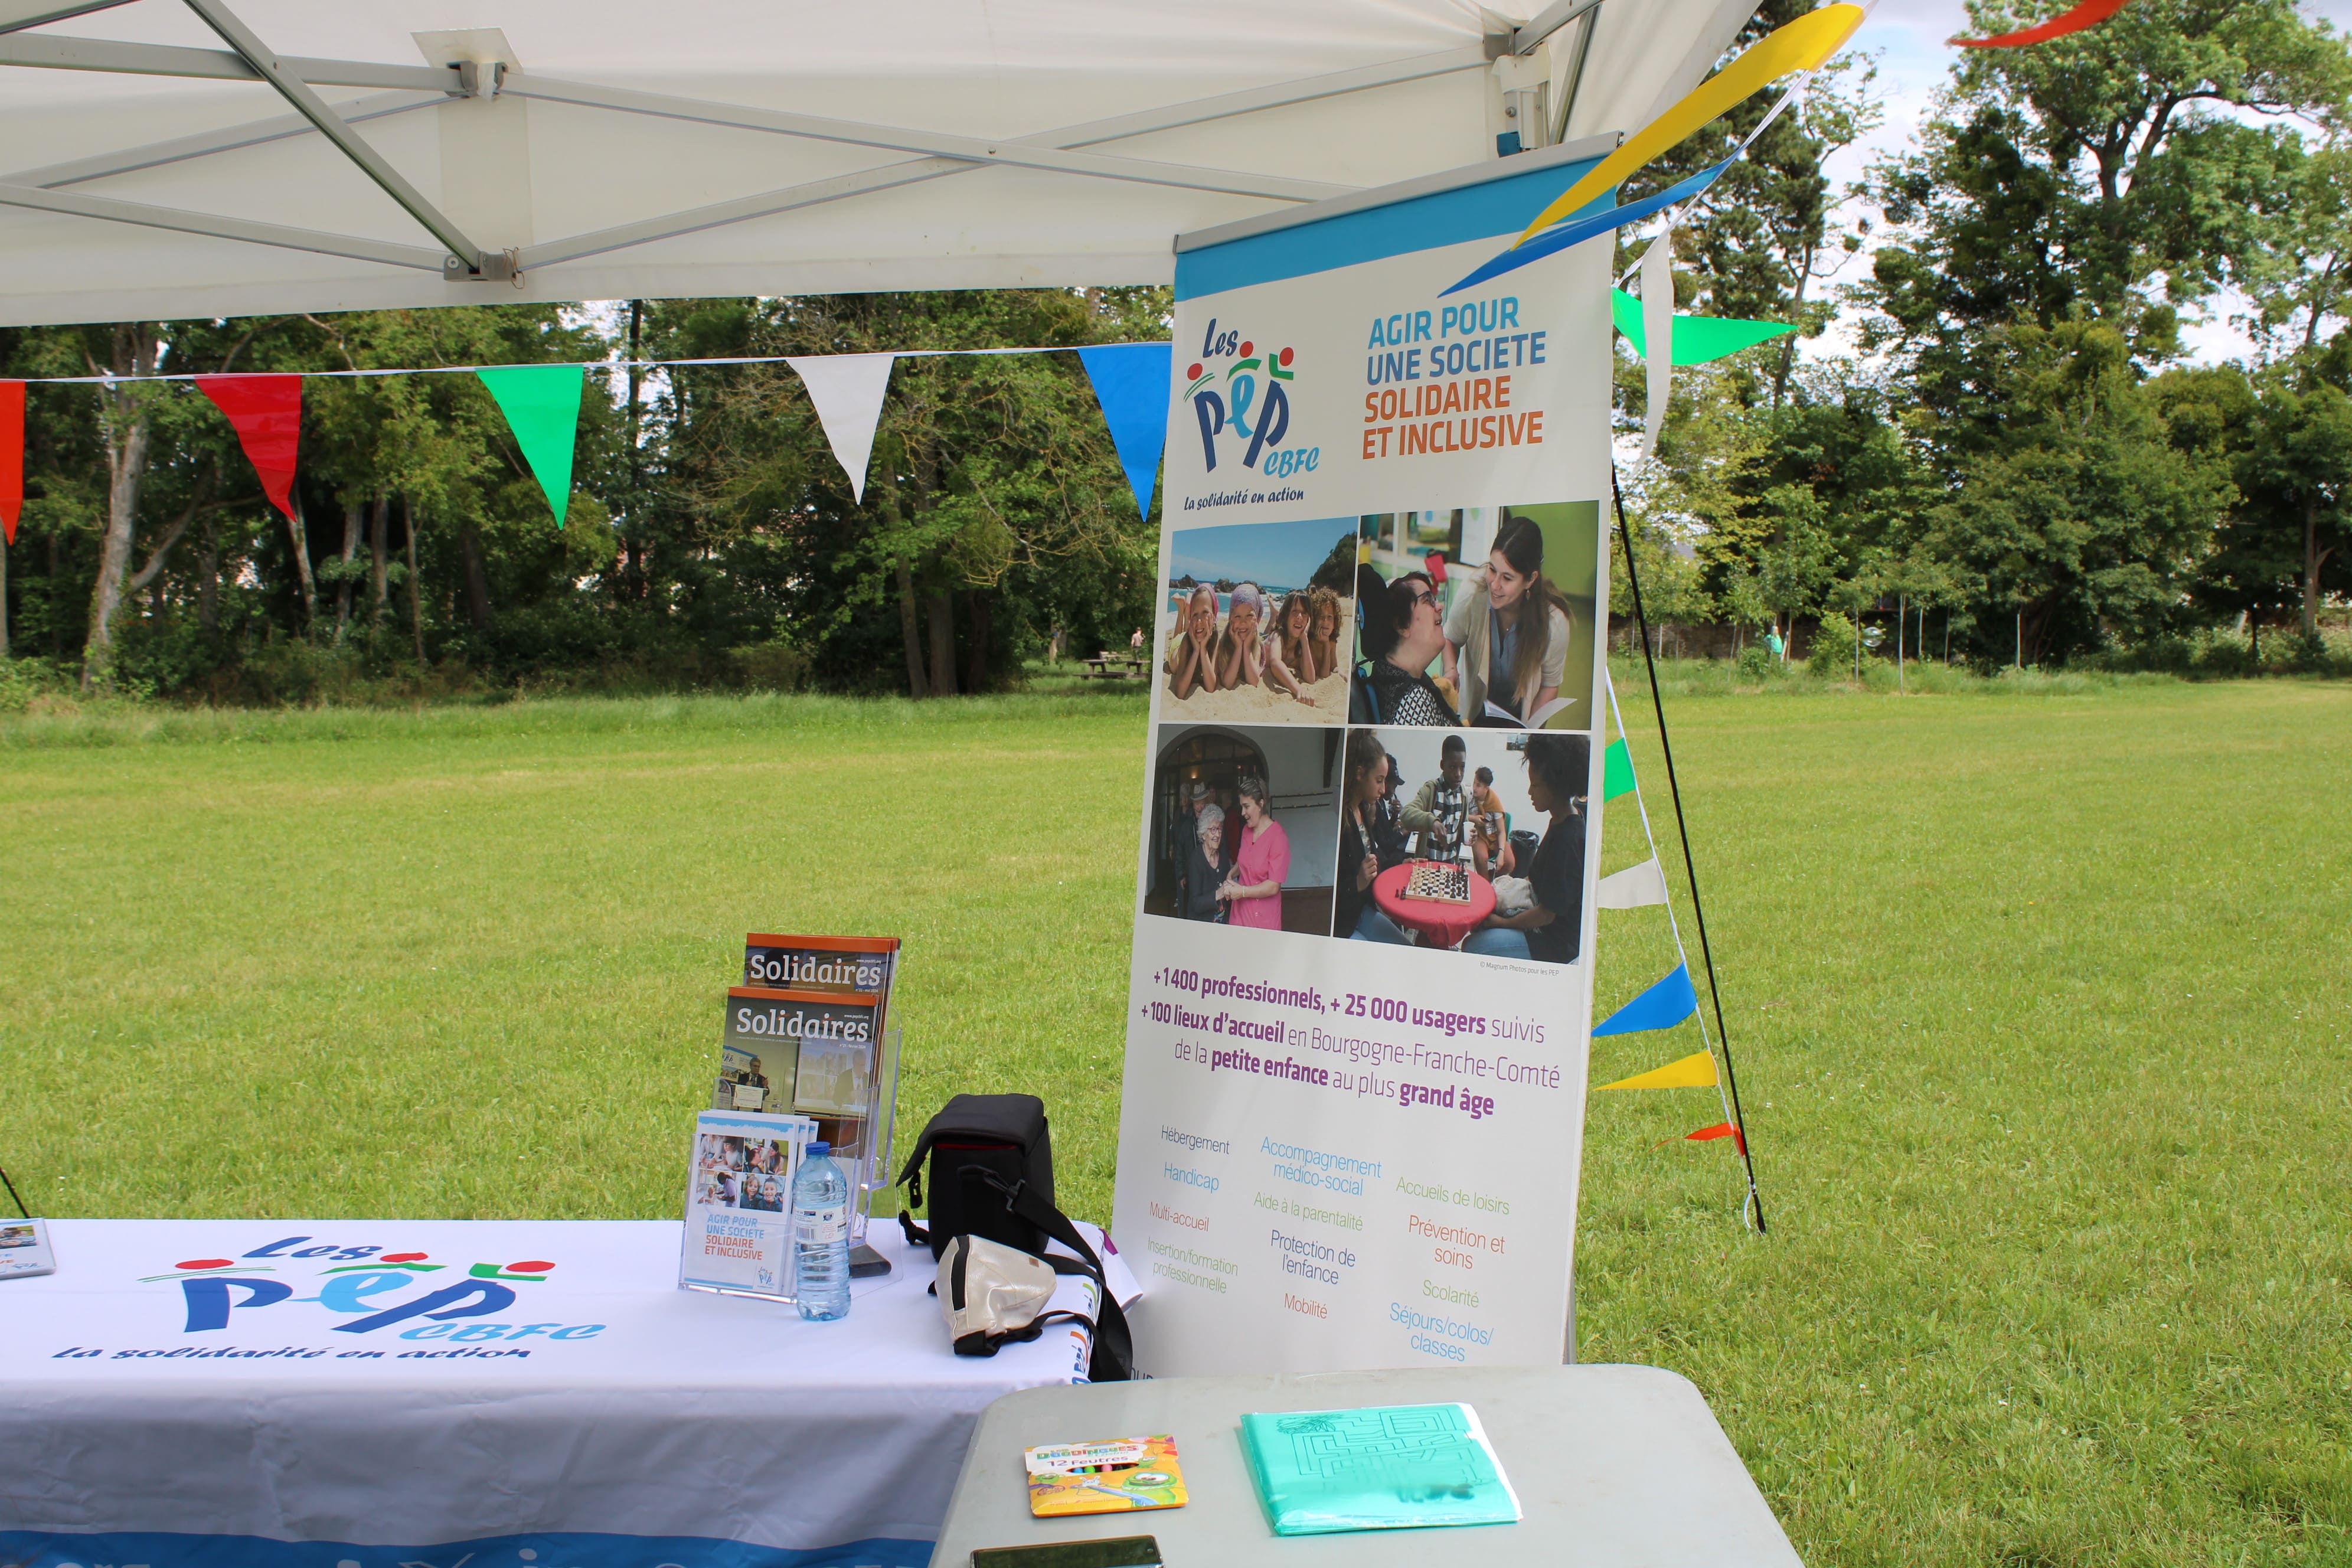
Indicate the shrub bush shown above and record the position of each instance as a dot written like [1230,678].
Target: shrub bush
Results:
[1833,646]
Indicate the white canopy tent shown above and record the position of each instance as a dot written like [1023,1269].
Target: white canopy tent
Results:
[197,158]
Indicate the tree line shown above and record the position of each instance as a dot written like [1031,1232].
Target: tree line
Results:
[2019,446]
[712,539]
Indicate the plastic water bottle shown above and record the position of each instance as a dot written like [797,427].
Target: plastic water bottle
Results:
[820,1237]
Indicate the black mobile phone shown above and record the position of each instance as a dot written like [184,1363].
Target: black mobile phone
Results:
[1122,1552]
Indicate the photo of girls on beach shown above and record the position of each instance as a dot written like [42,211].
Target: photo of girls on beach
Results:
[1242,824]
[1259,622]
[1463,841]
[1478,616]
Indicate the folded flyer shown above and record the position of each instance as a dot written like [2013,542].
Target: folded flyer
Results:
[739,1203]
[1121,1475]
[1395,1467]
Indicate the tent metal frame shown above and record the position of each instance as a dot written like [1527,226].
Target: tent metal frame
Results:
[459,260]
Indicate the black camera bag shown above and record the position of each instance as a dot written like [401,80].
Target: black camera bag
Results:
[990,1161]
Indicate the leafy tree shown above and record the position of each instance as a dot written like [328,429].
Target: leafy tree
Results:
[2071,178]
[1755,245]
[2084,521]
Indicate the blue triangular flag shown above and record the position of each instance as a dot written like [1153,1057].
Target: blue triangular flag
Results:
[1131,383]
[1584,228]
[1661,1006]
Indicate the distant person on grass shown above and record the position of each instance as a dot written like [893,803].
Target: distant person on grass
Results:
[1253,894]
[1549,931]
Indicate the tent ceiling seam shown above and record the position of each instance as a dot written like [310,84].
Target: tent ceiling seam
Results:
[945,154]
[111,209]
[969,149]
[204,143]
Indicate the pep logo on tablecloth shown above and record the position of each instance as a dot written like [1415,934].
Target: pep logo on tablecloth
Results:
[374,1288]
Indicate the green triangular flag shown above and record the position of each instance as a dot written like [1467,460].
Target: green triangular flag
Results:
[1616,770]
[541,403]
[1697,339]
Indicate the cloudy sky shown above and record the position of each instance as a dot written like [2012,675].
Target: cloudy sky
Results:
[1907,38]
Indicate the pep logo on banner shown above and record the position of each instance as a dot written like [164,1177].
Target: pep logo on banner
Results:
[1246,402]
[372,1287]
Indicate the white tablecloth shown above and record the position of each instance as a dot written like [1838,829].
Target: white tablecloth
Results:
[578,1412]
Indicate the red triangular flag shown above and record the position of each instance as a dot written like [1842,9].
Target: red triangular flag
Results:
[1720,1130]
[12,455]
[267,412]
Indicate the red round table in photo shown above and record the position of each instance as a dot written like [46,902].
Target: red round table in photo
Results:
[1440,923]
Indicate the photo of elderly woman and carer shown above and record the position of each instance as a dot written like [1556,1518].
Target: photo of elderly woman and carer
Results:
[1259,622]
[1478,616]
[1470,843]
[1244,822]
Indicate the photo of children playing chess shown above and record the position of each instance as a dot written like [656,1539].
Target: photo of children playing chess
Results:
[742,1173]
[1480,617]
[1470,841]
[1259,622]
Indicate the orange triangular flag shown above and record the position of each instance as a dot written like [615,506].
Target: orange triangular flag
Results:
[1720,1130]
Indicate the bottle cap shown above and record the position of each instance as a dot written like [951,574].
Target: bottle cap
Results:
[820,1147]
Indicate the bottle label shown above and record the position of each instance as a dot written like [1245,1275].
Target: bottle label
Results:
[820,1228]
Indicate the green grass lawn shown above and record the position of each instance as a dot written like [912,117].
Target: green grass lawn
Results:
[2039,999]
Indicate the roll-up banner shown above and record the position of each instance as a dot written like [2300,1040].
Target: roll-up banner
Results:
[1361,992]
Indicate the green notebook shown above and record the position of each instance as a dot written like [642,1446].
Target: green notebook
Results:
[1393,1466]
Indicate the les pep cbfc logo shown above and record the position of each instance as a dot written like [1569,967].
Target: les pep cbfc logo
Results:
[375,1289]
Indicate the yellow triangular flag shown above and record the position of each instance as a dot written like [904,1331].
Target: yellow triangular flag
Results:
[1694,1071]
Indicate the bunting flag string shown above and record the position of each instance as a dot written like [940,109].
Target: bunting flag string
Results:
[541,403]
[1661,1006]
[1131,383]
[2089,13]
[1634,887]
[1698,340]
[12,459]
[267,413]
[1694,1071]
[1658,322]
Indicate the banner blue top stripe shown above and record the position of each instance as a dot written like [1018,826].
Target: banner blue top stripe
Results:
[1661,1006]
[1492,209]
[1130,382]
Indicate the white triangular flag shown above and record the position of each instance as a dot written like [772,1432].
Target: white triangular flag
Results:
[847,390]
[1633,888]
[1658,333]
